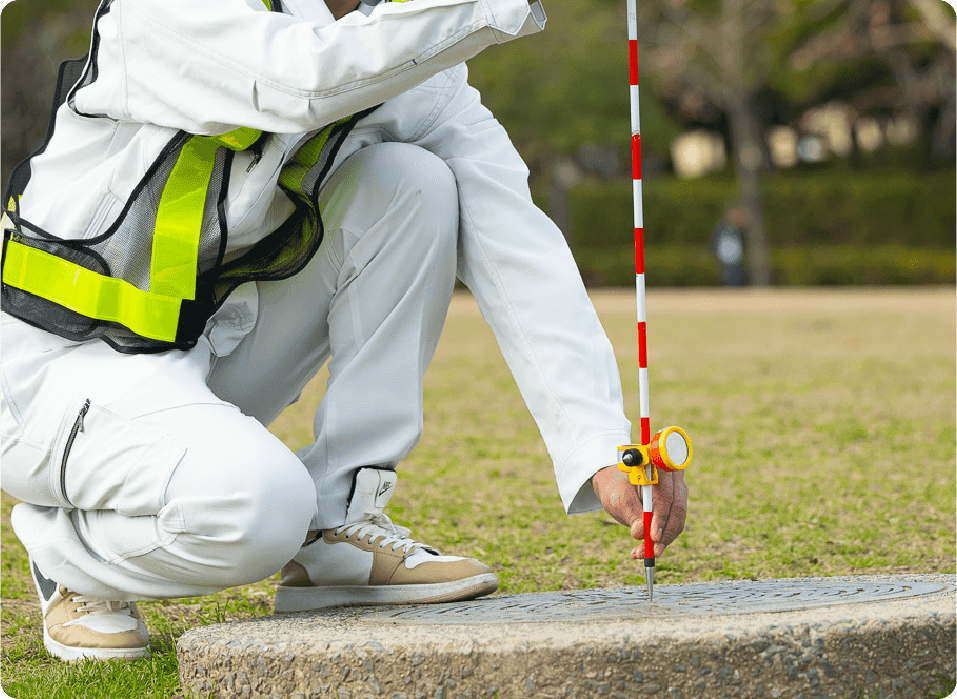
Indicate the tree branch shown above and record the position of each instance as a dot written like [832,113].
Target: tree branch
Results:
[936,20]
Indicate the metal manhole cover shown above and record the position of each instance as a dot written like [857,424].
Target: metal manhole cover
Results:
[694,599]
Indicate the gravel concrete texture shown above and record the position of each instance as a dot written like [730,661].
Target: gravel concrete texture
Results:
[804,638]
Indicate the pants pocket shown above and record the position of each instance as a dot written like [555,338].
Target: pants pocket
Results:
[104,461]
[87,458]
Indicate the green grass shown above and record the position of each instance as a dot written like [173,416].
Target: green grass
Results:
[812,413]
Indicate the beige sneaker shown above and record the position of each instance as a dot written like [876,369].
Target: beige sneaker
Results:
[77,627]
[371,561]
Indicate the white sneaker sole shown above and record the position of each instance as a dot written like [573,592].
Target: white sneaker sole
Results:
[304,599]
[72,653]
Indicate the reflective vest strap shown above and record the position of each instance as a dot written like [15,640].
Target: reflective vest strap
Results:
[179,220]
[294,172]
[90,294]
[237,139]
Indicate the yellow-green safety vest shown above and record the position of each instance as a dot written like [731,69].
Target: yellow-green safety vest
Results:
[104,287]
[152,313]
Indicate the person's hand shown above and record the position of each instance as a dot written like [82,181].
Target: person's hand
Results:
[622,500]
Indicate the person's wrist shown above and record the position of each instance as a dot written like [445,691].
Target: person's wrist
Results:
[602,477]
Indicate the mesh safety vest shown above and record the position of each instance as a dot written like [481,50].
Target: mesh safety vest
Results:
[151,281]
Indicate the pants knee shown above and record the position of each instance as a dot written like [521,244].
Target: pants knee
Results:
[405,178]
[250,527]
[420,172]
[278,518]
[427,186]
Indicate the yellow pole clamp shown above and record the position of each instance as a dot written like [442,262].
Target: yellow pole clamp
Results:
[632,459]
[670,449]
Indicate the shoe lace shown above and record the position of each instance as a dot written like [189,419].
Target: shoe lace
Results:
[100,606]
[378,525]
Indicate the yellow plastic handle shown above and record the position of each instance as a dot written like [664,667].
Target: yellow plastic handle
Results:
[636,471]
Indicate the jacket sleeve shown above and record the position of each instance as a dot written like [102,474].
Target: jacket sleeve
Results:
[208,67]
[518,266]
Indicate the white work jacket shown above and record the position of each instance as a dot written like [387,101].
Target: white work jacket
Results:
[210,67]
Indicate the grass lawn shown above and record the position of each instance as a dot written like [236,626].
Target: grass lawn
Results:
[823,424]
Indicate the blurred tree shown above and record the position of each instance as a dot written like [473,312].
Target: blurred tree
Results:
[35,37]
[737,66]
[568,87]
[719,51]
[901,56]
[938,20]
[754,63]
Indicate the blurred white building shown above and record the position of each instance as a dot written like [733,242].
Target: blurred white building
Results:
[697,153]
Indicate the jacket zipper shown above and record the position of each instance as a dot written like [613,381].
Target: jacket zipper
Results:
[257,149]
[257,156]
[77,428]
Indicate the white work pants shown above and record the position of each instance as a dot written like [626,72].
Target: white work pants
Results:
[169,484]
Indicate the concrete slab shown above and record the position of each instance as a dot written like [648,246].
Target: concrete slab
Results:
[807,638]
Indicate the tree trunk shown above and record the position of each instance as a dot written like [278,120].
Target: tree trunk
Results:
[556,193]
[945,133]
[747,154]
[746,135]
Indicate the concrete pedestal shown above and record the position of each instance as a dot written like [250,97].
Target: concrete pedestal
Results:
[812,637]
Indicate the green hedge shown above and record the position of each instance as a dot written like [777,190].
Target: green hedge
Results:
[823,228]
[811,265]
[841,207]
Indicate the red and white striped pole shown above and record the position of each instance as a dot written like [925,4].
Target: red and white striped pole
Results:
[670,448]
[645,408]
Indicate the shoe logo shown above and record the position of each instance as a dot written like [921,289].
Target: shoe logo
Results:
[47,587]
[384,489]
